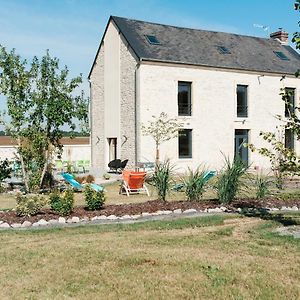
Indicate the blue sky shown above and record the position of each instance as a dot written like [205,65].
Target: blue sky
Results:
[72,29]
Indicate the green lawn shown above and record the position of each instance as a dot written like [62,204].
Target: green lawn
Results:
[7,201]
[203,258]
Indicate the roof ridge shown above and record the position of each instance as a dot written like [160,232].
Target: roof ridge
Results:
[189,28]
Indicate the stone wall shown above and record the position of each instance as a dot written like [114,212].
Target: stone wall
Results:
[127,104]
[97,113]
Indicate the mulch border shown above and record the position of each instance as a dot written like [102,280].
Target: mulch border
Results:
[155,207]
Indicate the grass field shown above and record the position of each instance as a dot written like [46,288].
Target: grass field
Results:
[7,201]
[213,257]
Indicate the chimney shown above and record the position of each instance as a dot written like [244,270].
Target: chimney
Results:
[280,35]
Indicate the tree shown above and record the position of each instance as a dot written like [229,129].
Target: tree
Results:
[40,102]
[5,170]
[161,129]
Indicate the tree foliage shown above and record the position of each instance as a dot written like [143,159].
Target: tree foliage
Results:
[161,129]
[5,170]
[41,100]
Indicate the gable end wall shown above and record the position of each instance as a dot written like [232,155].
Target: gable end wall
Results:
[97,112]
[127,104]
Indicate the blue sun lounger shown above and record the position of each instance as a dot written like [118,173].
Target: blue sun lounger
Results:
[208,175]
[76,185]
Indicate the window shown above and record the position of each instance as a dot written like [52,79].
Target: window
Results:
[240,147]
[289,139]
[185,143]
[281,55]
[184,99]
[242,101]
[223,50]
[289,99]
[152,39]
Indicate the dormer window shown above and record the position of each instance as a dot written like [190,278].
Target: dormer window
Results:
[152,39]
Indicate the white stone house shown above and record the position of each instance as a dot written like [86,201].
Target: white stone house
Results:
[224,87]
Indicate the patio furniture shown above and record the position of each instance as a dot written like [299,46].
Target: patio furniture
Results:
[208,175]
[80,166]
[76,185]
[17,169]
[87,165]
[123,164]
[146,166]
[117,166]
[59,165]
[114,165]
[133,183]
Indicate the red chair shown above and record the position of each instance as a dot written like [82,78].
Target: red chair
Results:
[134,183]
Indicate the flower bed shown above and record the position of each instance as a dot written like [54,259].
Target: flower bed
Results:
[137,210]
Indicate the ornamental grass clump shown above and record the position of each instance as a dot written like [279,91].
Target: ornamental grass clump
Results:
[229,181]
[162,179]
[93,199]
[194,184]
[261,186]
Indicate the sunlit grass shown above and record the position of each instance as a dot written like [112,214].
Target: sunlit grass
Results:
[201,258]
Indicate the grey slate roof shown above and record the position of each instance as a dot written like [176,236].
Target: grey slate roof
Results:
[199,47]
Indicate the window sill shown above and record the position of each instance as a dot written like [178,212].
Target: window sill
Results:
[242,120]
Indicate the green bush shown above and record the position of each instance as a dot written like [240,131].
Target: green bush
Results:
[62,203]
[194,184]
[90,179]
[229,181]
[5,170]
[162,179]
[29,205]
[261,186]
[93,199]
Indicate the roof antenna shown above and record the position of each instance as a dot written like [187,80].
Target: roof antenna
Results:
[263,27]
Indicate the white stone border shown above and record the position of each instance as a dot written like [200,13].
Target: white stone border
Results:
[145,215]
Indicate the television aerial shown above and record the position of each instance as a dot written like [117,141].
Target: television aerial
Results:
[263,27]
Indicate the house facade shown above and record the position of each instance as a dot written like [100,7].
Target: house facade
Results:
[223,87]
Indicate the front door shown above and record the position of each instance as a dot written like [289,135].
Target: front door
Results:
[112,142]
[240,149]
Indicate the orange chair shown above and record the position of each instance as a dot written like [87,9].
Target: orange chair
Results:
[133,182]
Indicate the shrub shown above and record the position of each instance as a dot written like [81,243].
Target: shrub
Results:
[229,182]
[90,179]
[5,170]
[62,203]
[29,205]
[80,179]
[194,184]
[261,186]
[162,179]
[93,199]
